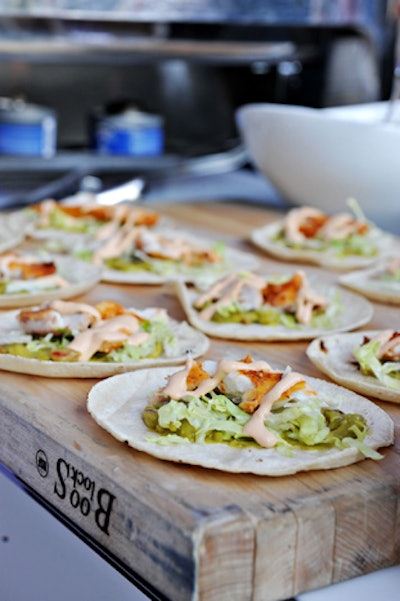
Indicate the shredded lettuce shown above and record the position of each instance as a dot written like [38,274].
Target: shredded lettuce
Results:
[328,317]
[83,225]
[162,340]
[387,372]
[165,267]
[211,413]
[49,341]
[303,421]
[354,244]
[267,315]
[161,337]
[308,244]
[367,451]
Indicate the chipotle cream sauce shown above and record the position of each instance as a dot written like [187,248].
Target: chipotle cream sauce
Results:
[176,388]
[307,300]
[46,207]
[294,220]
[228,289]
[119,215]
[255,427]
[121,240]
[150,243]
[123,328]
[337,227]
[388,341]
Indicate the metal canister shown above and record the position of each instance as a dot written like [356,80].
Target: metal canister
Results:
[131,132]
[27,129]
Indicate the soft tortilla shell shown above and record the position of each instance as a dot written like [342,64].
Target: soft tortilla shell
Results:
[120,414]
[81,277]
[357,312]
[333,356]
[364,282]
[263,238]
[191,341]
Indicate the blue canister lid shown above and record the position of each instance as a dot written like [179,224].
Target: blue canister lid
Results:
[27,129]
[130,132]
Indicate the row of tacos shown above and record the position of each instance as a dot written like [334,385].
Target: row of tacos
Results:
[314,424]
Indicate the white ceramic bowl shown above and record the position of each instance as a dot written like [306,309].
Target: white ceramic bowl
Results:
[322,157]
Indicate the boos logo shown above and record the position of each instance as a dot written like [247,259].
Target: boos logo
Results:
[79,490]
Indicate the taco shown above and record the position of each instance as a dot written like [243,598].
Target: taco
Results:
[248,306]
[380,282]
[143,256]
[309,235]
[367,362]
[130,243]
[28,279]
[53,219]
[240,416]
[65,339]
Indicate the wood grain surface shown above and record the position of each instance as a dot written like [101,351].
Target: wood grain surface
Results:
[192,533]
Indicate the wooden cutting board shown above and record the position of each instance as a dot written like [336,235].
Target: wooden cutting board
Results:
[192,533]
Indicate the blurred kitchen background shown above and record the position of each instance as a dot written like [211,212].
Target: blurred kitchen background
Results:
[119,88]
